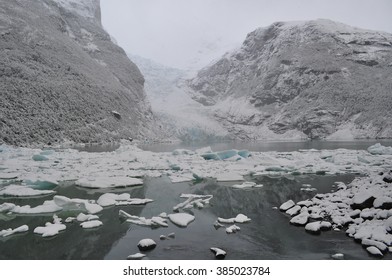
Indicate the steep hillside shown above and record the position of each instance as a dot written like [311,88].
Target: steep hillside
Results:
[315,79]
[62,78]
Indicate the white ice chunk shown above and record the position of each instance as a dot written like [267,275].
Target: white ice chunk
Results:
[109,199]
[378,149]
[338,256]
[47,207]
[49,229]
[8,232]
[287,205]
[294,210]
[6,207]
[153,222]
[77,204]
[240,218]
[232,229]
[181,219]
[246,185]
[108,182]
[374,251]
[8,175]
[300,219]
[137,256]
[83,217]
[193,200]
[314,227]
[91,224]
[70,219]
[22,191]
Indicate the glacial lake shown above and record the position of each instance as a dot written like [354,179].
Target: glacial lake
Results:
[268,236]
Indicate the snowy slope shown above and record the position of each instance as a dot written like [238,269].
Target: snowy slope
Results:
[311,79]
[62,78]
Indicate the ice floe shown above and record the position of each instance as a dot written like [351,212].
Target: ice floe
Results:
[287,205]
[338,256]
[109,199]
[8,232]
[378,149]
[232,229]
[369,196]
[86,217]
[23,191]
[51,229]
[193,200]
[137,256]
[247,185]
[91,224]
[240,218]
[108,182]
[155,221]
[181,219]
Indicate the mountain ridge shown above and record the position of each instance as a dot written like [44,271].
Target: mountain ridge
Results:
[316,79]
[63,79]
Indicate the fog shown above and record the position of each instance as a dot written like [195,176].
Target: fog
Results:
[187,33]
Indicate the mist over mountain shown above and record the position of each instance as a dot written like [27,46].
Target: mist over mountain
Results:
[62,78]
[313,79]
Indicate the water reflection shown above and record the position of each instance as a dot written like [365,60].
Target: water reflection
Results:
[268,236]
[74,242]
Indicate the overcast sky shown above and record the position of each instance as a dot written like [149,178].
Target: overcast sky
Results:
[179,32]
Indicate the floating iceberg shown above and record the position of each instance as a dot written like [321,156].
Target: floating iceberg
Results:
[378,149]
[22,191]
[109,199]
[223,155]
[137,256]
[193,200]
[108,182]
[181,219]
[232,229]
[247,185]
[91,224]
[240,218]
[8,232]
[49,229]
[153,222]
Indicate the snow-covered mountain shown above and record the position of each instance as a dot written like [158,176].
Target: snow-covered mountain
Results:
[313,79]
[62,78]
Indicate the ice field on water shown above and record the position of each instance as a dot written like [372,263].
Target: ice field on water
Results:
[275,202]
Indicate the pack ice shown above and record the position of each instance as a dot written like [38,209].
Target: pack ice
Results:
[362,208]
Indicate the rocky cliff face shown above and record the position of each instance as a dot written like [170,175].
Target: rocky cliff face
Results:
[314,79]
[62,78]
